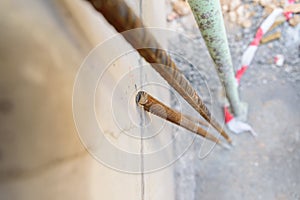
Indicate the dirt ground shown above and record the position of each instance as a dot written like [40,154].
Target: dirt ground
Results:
[263,168]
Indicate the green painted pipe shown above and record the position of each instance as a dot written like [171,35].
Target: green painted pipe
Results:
[209,18]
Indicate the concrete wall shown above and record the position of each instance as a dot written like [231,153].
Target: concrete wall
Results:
[42,45]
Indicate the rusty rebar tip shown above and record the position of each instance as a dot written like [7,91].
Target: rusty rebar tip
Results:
[229,140]
[141,98]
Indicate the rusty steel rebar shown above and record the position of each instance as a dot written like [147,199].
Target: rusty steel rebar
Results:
[195,120]
[154,106]
[122,18]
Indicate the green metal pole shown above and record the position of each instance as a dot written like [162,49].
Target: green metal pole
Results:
[209,18]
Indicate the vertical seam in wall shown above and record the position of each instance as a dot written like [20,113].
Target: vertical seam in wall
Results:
[142,115]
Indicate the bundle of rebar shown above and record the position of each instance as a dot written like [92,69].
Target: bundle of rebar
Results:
[122,18]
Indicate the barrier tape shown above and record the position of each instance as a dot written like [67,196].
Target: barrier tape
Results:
[232,123]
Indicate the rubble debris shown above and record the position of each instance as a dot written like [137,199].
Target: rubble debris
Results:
[240,12]
[294,8]
[295,20]
[270,37]
[179,8]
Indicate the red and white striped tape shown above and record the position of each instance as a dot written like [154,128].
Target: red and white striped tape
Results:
[232,123]
[252,48]
[235,125]
[279,60]
[289,15]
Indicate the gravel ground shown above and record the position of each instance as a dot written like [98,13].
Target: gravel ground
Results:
[263,168]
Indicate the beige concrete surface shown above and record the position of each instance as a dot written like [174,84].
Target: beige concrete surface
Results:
[42,45]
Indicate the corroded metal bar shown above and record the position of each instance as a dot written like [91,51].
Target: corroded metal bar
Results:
[119,15]
[209,18]
[152,105]
[195,120]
